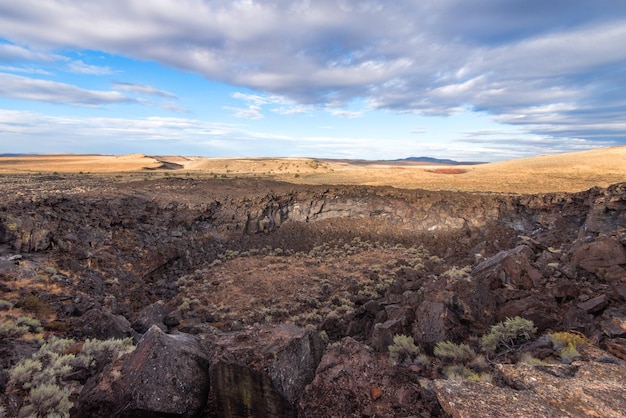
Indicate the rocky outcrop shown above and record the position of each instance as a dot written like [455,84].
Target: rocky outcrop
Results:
[119,250]
[262,371]
[166,375]
[353,381]
[582,389]
[102,325]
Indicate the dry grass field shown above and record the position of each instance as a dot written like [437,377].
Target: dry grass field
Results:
[548,173]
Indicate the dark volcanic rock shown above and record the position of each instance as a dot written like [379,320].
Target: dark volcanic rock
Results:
[166,375]
[151,315]
[540,308]
[353,381]
[509,268]
[102,325]
[263,371]
[602,257]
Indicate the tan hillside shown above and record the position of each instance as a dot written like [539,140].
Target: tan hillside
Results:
[548,173]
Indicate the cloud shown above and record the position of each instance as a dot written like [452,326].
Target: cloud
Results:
[124,135]
[344,113]
[25,88]
[250,112]
[16,53]
[430,58]
[24,70]
[143,89]
[80,67]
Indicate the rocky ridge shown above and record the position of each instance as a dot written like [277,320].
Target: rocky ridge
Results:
[107,260]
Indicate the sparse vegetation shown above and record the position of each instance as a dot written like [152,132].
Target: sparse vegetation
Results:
[460,361]
[507,334]
[43,377]
[403,349]
[454,353]
[568,344]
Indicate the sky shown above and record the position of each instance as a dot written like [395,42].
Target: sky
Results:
[480,80]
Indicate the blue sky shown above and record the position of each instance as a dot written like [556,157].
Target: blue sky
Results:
[469,80]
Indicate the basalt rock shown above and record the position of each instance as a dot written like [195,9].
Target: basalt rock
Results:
[102,325]
[352,380]
[262,371]
[558,259]
[166,375]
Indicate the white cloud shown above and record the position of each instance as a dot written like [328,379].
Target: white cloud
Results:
[431,58]
[18,87]
[24,70]
[12,53]
[143,89]
[250,112]
[80,67]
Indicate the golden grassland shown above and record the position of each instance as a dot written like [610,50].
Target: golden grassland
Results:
[568,172]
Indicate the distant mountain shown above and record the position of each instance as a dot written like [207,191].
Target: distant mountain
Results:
[436,161]
[428,160]
[18,155]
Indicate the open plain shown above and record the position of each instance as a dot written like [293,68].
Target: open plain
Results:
[185,286]
[543,174]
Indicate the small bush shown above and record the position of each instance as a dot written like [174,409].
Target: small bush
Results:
[562,340]
[569,354]
[454,353]
[403,349]
[507,334]
[568,344]
[8,329]
[22,373]
[459,371]
[43,376]
[48,400]
[32,324]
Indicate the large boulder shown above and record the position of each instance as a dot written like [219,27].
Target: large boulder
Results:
[510,268]
[151,315]
[263,371]
[602,257]
[166,375]
[542,309]
[451,308]
[102,325]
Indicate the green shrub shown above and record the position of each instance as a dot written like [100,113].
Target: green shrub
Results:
[459,371]
[454,353]
[48,400]
[8,329]
[529,359]
[403,349]
[569,354]
[22,373]
[32,324]
[507,334]
[43,376]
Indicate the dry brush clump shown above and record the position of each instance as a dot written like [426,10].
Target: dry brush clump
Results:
[506,335]
[42,380]
[405,351]
[568,343]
